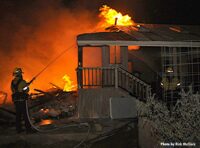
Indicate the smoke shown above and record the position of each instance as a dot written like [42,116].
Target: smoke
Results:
[34,32]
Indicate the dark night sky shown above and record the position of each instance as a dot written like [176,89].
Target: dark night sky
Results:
[149,11]
[143,11]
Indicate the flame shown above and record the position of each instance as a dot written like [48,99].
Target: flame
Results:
[3,98]
[46,122]
[37,45]
[68,83]
[133,47]
[110,16]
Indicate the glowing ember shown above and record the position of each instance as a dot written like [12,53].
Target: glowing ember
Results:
[133,47]
[45,111]
[46,122]
[110,16]
[175,29]
[68,83]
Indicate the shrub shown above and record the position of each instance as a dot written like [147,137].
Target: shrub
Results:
[181,124]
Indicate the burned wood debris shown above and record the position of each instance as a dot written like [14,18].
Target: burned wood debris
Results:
[52,104]
[7,117]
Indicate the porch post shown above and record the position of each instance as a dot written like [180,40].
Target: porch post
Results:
[175,61]
[105,56]
[116,77]
[105,63]
[124,56]
[80,65]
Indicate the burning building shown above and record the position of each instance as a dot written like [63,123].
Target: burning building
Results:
[136,58]
[123,62]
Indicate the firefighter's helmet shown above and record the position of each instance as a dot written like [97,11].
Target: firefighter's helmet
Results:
[169,70]
[17,71]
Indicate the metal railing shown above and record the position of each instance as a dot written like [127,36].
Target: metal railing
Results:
[93,77]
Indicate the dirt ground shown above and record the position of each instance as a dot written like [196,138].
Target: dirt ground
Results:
[66,130]
[103,133]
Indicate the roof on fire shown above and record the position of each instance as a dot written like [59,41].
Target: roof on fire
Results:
[144,35]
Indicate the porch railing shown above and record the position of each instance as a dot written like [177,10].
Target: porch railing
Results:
[93,77]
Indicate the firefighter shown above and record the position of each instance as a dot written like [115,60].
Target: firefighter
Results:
[171,85]
[170,82]
[20,94]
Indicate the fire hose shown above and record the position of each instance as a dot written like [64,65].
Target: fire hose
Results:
[62,127]
[56,128]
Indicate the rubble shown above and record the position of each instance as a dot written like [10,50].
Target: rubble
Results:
[53,104]
[7,117]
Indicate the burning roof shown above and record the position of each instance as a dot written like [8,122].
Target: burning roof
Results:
[121,30]
[144,35]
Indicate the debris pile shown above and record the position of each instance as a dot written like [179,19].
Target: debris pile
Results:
[53,104]
[50,105]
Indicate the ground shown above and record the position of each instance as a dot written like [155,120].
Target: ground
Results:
[104,133]
[55,115]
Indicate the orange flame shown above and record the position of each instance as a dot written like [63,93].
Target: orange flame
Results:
[133,47]
[46,122]
[110,15]
[68,83]
[3,98]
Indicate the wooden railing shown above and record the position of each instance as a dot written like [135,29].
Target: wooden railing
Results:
[92,77]
[132,84]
